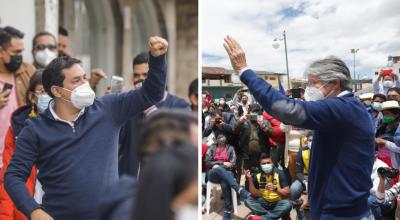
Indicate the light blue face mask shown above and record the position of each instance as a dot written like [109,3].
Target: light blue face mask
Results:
[43,101]
[267,168]
[377,106]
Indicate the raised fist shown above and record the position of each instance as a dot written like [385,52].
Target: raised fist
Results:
[158,46]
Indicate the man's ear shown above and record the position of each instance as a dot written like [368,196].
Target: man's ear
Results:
[55,91]
[336,84]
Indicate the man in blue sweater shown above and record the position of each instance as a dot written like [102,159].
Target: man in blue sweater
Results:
[74,142]
[342,147]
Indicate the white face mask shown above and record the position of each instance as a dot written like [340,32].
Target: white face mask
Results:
[82,96]
[44,57]
[315,94]
[186,212]
[388,84]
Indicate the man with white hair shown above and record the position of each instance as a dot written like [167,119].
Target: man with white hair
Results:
[343,136]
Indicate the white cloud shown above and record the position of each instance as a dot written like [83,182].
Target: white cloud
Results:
[319,28]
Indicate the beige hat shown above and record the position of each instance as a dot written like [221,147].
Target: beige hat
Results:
[390,105]
[366,96]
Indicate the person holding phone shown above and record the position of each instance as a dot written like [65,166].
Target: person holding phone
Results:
[14,77]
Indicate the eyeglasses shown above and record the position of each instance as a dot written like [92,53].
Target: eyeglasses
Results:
[42,47]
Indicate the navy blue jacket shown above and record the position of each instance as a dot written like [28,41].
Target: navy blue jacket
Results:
[342,148]
[77,165]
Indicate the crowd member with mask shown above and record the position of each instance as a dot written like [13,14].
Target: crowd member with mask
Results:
[385,82]
[342,133]
[128,137]
[386,135]
[221,161]
[378,209]
[37,101]
[253,132]
[218,126]
[277,140]
[269,191]
[15,72]
[63,42]
[222,105]
[388,196]
[44,49]
[140,72]
[74,143]
[394,94]
[293,142]
[243,105]
[376,108]
[208,114]
[366,100]
[298,188]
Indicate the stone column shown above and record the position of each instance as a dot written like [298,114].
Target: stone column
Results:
[47,16]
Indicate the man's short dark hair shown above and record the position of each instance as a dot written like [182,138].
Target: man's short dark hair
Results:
[379,95]
[53,74]
[193,88]
[264,156]
[255,108]
[42,33]
[7,33]
[395,89]
[140,59]
[62,31]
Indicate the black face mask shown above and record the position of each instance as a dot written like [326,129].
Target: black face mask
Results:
[62,54]
[14,64]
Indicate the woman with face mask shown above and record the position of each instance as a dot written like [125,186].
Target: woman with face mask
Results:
[221,159]
[37,100]
[387,137]
[376,108]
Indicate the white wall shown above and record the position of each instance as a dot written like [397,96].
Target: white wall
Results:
[21,15]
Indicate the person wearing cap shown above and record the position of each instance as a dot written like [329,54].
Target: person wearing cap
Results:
[386,133]
[386,80]
[342,148]
[366,99]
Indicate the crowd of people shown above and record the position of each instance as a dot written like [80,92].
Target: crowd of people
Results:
[318,150]
[67,153]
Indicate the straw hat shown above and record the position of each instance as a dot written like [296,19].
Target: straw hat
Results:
[390,105]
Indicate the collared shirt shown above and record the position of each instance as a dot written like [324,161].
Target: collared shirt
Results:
[53,113]
[343,93]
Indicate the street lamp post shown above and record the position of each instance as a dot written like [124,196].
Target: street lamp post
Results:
[276,46]
[354,51]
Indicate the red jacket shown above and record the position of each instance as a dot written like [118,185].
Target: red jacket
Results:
[8,211]
[279,136]
[204,148]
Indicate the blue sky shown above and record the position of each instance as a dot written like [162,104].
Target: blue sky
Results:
[315,29]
